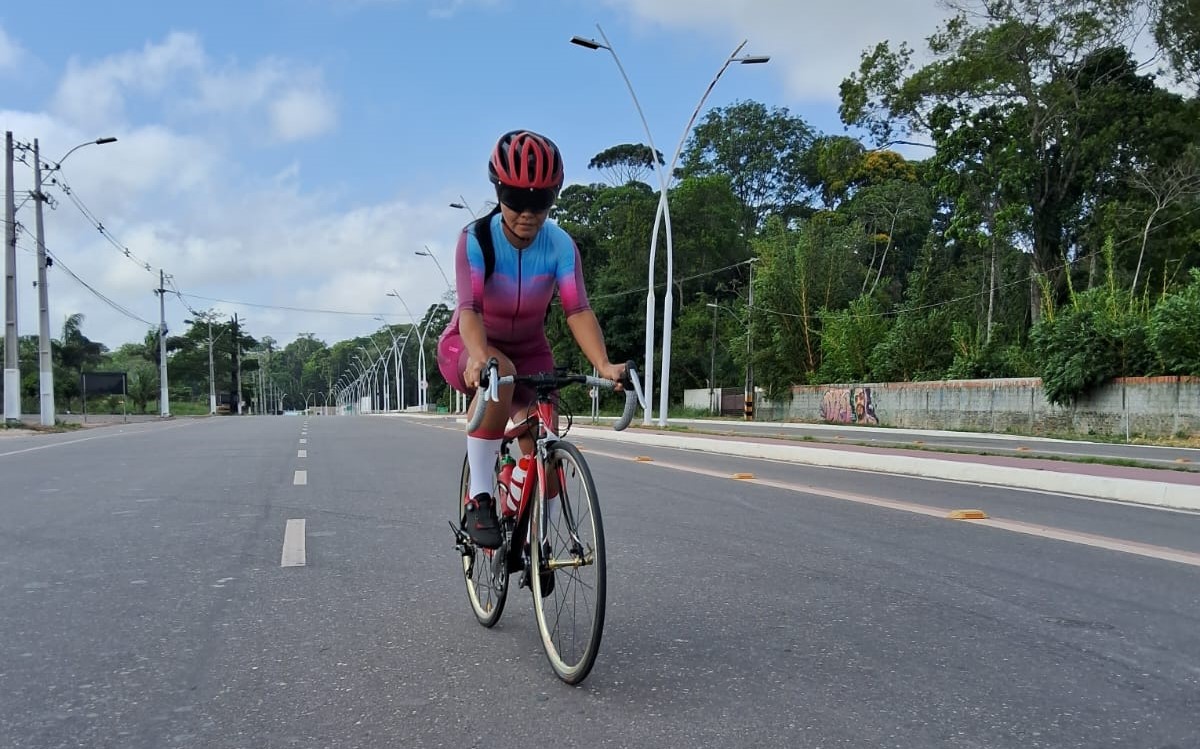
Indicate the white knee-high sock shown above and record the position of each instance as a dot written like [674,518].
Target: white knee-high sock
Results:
[481,456]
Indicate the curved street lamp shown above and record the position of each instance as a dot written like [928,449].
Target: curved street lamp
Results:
[664,214]
[669,301]
[424,383]
[398,345]
[663,208]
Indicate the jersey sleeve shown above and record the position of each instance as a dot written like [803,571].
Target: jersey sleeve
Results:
[469,272]
[571,288]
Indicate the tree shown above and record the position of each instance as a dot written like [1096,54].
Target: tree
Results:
[1177,29]
[763,152]
[628,162]
[1166,186]
[1042,67]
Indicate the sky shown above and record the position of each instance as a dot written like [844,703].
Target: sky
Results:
[286,159]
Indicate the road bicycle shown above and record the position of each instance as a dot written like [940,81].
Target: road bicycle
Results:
[558,548]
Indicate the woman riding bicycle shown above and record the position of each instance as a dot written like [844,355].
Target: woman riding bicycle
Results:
[502,304]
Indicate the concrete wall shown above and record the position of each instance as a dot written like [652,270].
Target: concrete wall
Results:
[1152,406]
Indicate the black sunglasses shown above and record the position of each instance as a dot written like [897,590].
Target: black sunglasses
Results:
[521,200]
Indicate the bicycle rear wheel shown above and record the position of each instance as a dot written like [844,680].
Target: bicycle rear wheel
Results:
[569,589]
[485,571]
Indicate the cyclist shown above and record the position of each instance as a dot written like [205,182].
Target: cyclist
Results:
[502,306]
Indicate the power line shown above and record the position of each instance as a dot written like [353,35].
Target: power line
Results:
[288,309]
[99,295]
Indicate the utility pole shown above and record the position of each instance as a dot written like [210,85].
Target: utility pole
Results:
[749,403]
[237,363]
[212,376]
[45,362]
[12,373]
[164,403]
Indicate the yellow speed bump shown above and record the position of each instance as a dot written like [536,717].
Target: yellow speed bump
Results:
[967,515]
[644,459]
[742,476]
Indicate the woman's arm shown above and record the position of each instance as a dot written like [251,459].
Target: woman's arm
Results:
[586,330]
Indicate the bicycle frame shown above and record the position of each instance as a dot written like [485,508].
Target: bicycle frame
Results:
[544,413]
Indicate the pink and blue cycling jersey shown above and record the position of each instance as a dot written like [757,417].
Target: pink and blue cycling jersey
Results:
[513,302]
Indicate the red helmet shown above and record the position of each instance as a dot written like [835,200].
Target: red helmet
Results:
[526,160]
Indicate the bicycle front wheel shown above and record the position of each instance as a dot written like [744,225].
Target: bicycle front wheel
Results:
[485,571]
[569,587]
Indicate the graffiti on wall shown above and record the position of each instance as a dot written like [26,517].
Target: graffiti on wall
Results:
[848,406]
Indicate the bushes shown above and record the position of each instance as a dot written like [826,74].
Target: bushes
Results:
[1174,332]
[1102,335]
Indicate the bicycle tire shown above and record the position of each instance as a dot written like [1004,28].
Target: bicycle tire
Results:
[487,590]
[571,645]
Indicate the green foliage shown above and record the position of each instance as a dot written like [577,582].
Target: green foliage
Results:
[847,339]
[628,162]
[763,152]
[1102,334]
[1172,335]
[976,358]
[1177,29]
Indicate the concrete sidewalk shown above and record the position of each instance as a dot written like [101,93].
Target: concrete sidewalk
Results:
[1163,488]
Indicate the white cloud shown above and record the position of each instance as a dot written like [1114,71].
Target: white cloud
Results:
[287,99]
[300,114]
[95,93]
[816,45]
[181,197]
[10,52]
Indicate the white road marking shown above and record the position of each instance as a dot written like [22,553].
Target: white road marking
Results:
[300,479]
[293,544]
[302,453]
[303,442]
[97,437]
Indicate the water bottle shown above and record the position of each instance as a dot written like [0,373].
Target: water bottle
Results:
[516,484]
[503,481]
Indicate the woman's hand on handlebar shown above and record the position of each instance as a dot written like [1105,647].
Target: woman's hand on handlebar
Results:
[614,372]
[473,373]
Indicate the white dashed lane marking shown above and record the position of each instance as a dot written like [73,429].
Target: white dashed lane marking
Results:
[303,442]
[302,453]
[293,544]
[300,479]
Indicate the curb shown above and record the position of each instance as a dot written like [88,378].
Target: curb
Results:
[1137,491]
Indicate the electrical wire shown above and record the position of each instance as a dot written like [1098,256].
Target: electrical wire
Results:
[58,263]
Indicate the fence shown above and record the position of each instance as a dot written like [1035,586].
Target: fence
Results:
[1151,406]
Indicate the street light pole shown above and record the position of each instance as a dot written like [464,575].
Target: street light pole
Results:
[429,254]
[423,383]
[45,363]
[712,366]
[748,408]
[398,347]
[748,404]
[45,360]
[164,404]
[666,212]
[12,373]
[669,298]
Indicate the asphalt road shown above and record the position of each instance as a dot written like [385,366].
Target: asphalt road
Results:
[145,605]
[995,444]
